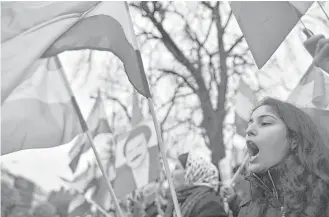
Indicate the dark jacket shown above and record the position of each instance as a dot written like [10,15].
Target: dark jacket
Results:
[208,204]
[264,198]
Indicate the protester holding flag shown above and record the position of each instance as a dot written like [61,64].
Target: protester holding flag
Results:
[321,53]
[196,186]
[289,167]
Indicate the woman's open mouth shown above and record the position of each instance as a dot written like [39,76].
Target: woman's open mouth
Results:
[253,150]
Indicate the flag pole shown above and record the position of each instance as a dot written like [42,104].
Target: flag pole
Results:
[89,136]
[165,161]
[156,125]
[325,13]
[300,20]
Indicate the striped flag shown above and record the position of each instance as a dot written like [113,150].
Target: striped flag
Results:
[103,26]
[245,100]
[39,112]
[312,95]
[27,30]
[107,27]
[266,24]
[98,124]
[34,30]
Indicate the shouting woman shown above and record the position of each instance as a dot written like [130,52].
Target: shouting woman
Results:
[289,164]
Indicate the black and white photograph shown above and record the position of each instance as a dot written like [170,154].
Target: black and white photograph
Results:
[164,109]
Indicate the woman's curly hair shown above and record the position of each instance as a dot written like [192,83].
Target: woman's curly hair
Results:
[304,174]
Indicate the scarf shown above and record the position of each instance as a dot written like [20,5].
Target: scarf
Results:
[188,197]
[201,172]
[201,178]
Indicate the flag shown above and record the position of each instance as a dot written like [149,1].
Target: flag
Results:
[137,115]
[107,27]
[39,112]
[83,181]
[34,30]
[245,100]
[98,124]
[79,206]
[37,109]
[301,6]
[266,24]
[312,95]
[312,90]
[27,30]
[101,194]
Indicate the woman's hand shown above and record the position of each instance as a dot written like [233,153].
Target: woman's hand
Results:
[321,57]
[318,47]
[227,192]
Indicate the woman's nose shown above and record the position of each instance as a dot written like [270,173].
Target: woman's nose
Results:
[251,131]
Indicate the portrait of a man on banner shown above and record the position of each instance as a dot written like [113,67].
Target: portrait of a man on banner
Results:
[137,162]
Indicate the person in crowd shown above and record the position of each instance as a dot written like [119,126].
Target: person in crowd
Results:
[288,169]
[196,184]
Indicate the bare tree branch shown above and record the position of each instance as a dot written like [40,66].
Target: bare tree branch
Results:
[208,33]
[171,106]
[178,96]
[207,4]
[168,71]
[228,20]
[235,44]
[125,109]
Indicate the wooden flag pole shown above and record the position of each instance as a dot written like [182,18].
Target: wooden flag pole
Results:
[89,136]
[107,180]
[156,124]
[300,20]
[164,158]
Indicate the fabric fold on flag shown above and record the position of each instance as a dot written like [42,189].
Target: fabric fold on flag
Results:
[312,90]
[26,35]
[39,112]
[312,95]
[83,181]
[108,29]
[97,124]
[266,24]
[245,100]
[34,30]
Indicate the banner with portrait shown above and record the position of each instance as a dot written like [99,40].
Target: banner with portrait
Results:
[137,159]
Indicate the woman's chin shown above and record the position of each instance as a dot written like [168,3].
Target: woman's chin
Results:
[255,168]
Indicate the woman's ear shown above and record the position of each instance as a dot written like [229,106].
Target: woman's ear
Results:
[293,142]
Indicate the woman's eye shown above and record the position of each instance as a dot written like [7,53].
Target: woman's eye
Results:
[265,124]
